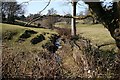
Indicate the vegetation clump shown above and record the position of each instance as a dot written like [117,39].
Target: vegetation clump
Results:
[81,58]
[8,35]
[64,32]
[50,45]
[37,39]
[26,34]
[29,64]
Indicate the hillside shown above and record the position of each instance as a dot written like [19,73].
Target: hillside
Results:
[96,33]
[32,52]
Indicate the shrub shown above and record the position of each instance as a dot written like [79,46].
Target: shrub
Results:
[29,64]
[27,33]
[50,45]
[64,32]
[9,35]
[37,39]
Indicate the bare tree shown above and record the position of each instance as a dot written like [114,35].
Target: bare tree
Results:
[33,20]
[67,20]
[51,11]
[11,9]
[49,21]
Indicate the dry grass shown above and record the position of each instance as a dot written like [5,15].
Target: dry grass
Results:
[23,59]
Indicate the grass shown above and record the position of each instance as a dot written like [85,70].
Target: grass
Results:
[97,34]
[5,28]
[62,25]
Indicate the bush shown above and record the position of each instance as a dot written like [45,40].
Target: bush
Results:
[50,45]
[37,39]
[64,32]
[27,33]
[28,64]
[9,35]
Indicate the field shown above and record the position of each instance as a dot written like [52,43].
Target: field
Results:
[97,34]
[19,30]
[26,38]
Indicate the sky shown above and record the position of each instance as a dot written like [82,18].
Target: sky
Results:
[62,7]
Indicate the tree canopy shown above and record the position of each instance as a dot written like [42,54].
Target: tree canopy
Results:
[11,9]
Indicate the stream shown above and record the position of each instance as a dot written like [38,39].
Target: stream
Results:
[57,43]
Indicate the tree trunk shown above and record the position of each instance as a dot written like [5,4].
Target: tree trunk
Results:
[73,20]
[110,19]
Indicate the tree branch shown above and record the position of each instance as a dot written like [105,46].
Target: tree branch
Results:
[25,2]
[76,17]
[106,44]
[39,13]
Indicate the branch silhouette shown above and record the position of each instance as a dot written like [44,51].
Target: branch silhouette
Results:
[39,13]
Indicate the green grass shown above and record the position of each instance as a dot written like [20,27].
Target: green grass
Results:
[97,34]
[9,27]
[20,30]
